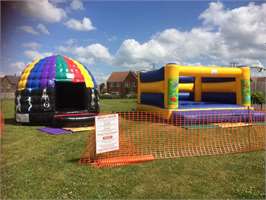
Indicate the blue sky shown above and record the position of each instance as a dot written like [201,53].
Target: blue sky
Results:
[118,36]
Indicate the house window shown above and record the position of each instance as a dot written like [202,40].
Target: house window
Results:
[127,85]
[115,84]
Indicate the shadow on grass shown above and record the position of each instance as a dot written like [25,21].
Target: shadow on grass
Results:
[10,121]
[74,160]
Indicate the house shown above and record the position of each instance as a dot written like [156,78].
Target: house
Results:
[122,83]
[9,83]
[258,84]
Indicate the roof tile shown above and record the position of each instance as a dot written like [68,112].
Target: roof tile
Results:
[118,76]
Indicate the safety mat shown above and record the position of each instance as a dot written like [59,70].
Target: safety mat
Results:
[232,125]
[54,131]
[78,129]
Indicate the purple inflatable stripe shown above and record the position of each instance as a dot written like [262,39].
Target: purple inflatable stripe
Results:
[48,73]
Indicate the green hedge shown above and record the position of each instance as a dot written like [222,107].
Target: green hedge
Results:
[112,96]
[258,97]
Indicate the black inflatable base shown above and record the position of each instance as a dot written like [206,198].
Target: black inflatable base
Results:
[61,119]
[74,121]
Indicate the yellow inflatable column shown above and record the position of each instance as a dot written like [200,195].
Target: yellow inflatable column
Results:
[171,80]
[238,91]
[245,86]
[197,90]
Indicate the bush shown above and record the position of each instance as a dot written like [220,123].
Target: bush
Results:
[117,96]
[258,97]
[110,96]
[131,96]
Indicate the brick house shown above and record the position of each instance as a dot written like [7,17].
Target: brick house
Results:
[258,84]
[9,83]
[122,83]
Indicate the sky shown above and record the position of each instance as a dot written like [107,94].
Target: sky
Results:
[109,36]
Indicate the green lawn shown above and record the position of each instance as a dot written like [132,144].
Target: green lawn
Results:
[40,166]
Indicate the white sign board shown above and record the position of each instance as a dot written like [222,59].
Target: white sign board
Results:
[22,117]
[107,133]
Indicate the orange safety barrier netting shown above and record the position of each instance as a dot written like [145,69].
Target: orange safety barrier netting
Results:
[145,136]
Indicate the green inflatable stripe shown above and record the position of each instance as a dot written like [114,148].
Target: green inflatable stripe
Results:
[61,69]
[245,86]
[172,92]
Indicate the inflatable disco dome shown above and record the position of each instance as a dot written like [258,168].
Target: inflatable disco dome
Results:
[56,89]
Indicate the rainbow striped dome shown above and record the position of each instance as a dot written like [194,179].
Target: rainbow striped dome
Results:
[42,73]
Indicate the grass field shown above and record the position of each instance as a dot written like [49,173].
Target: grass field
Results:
[39,166]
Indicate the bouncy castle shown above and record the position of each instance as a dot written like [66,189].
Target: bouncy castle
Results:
[56,89]
[192,92]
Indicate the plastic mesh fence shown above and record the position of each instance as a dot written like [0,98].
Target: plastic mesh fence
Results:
[145,136]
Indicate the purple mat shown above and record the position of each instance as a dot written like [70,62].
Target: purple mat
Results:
[54,131]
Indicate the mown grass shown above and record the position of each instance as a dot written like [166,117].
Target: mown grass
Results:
[39,166]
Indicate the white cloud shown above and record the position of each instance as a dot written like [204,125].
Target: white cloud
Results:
[29,29]
[112,38]
[70,41]
[31,45]
[18,66]
[100,76]
[170,45]
[240,26]
[13,68]
[42,28]
[43,10]
[224,36]
[84,25]
[88,54]
[34,54]
[77,5]
[57,1]
[97,50]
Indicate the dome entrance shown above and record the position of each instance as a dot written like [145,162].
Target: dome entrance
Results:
[71,97]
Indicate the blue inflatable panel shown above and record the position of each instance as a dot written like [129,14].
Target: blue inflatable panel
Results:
[225,98]
[186,79]
[186,104]
[153,99]
[185,96]
[152,76]
[216,80]
[214,116]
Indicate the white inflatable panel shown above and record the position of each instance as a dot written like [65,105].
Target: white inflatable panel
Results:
[22,117]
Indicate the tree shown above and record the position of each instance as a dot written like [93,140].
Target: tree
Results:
[258,97]
[102,87]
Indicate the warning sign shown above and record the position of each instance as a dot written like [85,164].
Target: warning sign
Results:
[107,133]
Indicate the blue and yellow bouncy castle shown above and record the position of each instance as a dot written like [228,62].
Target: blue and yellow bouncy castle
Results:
[194,90]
